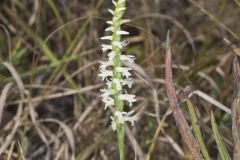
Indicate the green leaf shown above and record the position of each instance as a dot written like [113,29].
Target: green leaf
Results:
[197,131]
[221,147]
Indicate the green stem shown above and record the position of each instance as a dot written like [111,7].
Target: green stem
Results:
[119,105]
[121,131]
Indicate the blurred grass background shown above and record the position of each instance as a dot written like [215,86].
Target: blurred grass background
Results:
[54,47]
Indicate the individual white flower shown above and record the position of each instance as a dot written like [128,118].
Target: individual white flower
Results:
[125,117]
[122,118]
[108,101]
[105,73]
[105,64]
[129,58]
[119,44]
[117,84]
[124,82]
[113,124]
[128,97]
[129,82]
[130,118]
[106,47]
[111,56]
[125,71]
[106,92]
[109,83]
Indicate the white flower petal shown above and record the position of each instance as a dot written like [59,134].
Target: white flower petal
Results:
[109,29]
[120,9]
[109,84]
[121,1]
[125,117]
[129,98]
[108,101]
[106,47]
[122,33]
[114,3]
[105,73]
[111,11]
[131,119]
[111,56]
[129,58]
[125,71]
[124,21]
[119,44]
[109,22]
[113,124]
[105,64]
[106,38]
[106,92]
[129,82]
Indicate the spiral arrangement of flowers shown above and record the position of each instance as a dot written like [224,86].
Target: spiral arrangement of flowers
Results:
[112,71]
[115,75]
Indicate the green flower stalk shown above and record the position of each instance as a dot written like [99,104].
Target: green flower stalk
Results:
[116,76]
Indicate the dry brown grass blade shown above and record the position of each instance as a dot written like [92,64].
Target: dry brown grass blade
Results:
[68,133]
[17,118]
[237,2]
[38,129]
[58,95]
[3,99]
[174,144]
[106,135]
[236,109]
[156,104]
[85,114]
[35,12]
[20,150]
[10,151]
[210,100]
[156,134]
[180,120]
[135,145]
[15,76]
[59,153]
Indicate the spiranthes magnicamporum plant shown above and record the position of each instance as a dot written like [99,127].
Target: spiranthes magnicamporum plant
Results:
[115,75]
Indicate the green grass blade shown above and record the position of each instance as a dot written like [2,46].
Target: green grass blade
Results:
[221,147]
[197,131]
[59,18]
[51,56]
[46,50]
